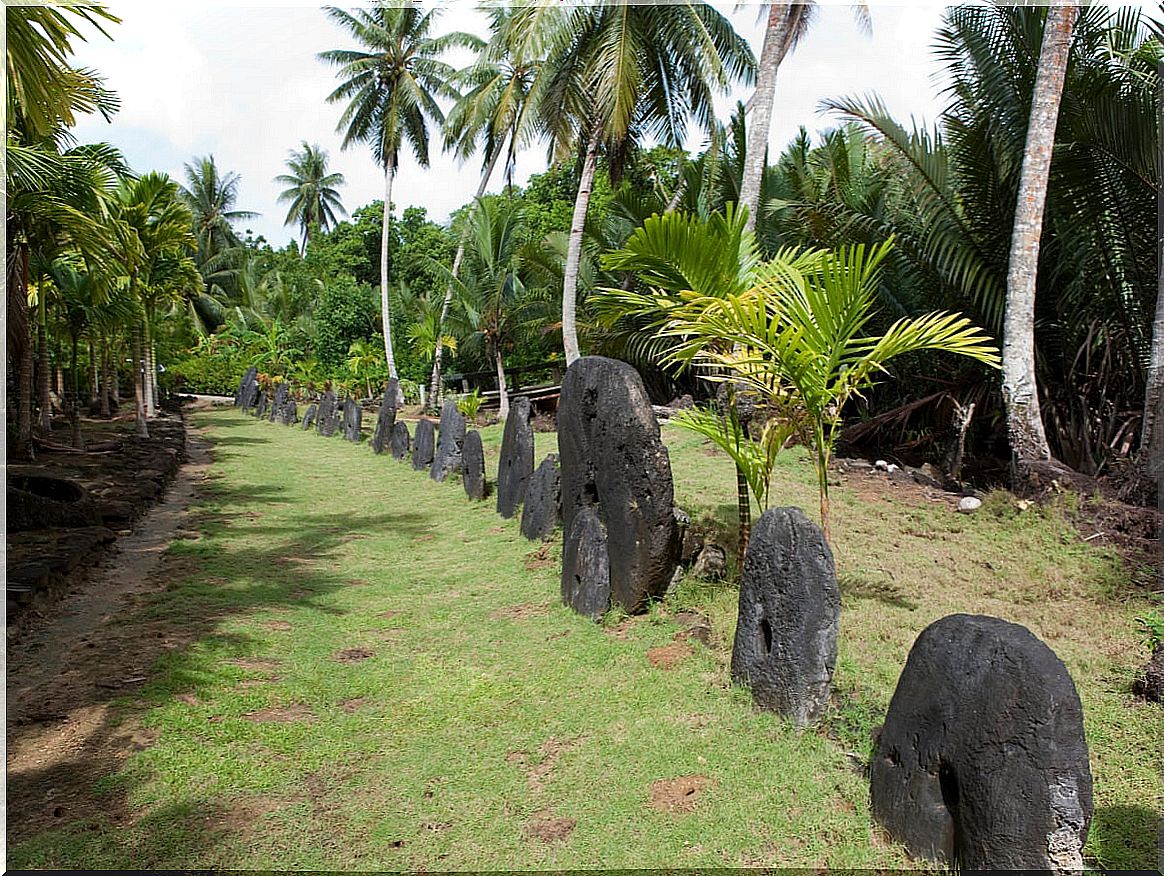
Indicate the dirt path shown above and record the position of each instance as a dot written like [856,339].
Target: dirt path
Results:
[64,671]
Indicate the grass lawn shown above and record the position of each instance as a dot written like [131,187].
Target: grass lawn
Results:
[384,679]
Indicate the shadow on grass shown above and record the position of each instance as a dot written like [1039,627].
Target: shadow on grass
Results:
[1127,837]
[227,440]
[53,807]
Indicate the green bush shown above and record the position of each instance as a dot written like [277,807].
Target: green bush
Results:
[215,373]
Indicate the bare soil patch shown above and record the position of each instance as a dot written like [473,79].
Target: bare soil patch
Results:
[669,656]
[278,626]
[551,830]
[520,612]
[354,655]
[550,751]
[353,705]
[679,794]
[539,559]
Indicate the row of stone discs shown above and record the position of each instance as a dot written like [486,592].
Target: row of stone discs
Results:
[537,493]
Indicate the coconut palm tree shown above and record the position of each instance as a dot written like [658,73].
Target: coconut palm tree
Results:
[311,192]
[391,85]
[1028,440]
[957,192]
[616,72]
[500,299]
[496,115]
[786,25]
[155,237]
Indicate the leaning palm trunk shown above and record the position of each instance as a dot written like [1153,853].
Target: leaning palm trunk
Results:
[435,386]
[385,310]
[139,388]
[574,253]
[20,345]
[1028,440]
[503,393]
[760,119]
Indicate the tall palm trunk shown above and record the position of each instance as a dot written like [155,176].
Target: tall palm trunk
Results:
[94,371]
[435,386]
[1028,440]
[20,344]
[139,388]
[1152,436]
[147,371]
[503,412]
[574,252]
[75,392]
[106,381]
[759,123]
[385,311]
[44,369]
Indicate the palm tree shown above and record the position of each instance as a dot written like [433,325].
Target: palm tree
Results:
[1028,440]
[499,299]
[795,336]
[616,72]
[495,113]
[786,25]
[956,197]
[155,238]
[391,86]
[311,192]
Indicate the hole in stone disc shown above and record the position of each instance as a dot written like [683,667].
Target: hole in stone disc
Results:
[766,633]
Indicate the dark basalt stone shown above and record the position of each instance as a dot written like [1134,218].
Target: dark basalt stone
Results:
[44,502]
[243,395]
[282,391]
[447,460]
[517,458]
[309,416]
[401,441]
[353,419]
[790,608]
[289,414]
[586,565]
[261,408]
[982,762]
[327,418]
[612,459]
[1149,683]
[423,445]
[543,501]
[386,418]
[473,466]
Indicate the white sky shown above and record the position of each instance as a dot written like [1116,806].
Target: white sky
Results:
[243,83]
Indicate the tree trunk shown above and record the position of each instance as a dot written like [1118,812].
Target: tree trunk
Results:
[148,368]
[44,369]
[1151,436]
[75,406]
[385,311]
[1028,440]
[106,382]
[20,345]
[759,122]
[435,386]
[503,413]
[574,253]
[94,372]
[139,390]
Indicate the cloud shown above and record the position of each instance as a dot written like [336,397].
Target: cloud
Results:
[243,83]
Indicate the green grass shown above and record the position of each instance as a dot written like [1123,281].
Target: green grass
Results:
[487,707]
